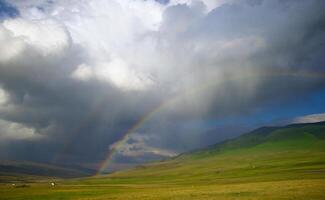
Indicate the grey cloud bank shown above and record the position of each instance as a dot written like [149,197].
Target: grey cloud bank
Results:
[76,75]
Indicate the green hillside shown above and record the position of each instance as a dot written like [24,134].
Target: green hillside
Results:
[268,163]
[298,136]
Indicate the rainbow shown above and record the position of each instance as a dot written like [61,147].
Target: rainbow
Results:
[113,149]
[120,142]
[173,99]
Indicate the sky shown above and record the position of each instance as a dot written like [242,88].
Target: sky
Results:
[111,83]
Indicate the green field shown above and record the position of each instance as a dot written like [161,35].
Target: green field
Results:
[269,163]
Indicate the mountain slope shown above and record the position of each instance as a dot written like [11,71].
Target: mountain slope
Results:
[296,135]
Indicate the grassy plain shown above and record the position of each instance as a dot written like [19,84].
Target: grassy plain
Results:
[284,164]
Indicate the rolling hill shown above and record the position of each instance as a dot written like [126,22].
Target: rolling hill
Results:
[268,163]
[293,133]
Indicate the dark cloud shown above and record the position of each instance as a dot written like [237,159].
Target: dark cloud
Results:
[74,81]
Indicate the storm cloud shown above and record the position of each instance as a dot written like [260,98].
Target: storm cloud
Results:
[75,76]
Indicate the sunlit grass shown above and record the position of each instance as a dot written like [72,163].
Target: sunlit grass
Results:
[290,168]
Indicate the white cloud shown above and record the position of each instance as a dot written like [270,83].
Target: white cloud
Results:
[107,32]
[3,96]
[47,36]
[132,44]
[121,75]
[136,145]
[210,4]
[11,130]
[10,47]
[83,72]
[310,118]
